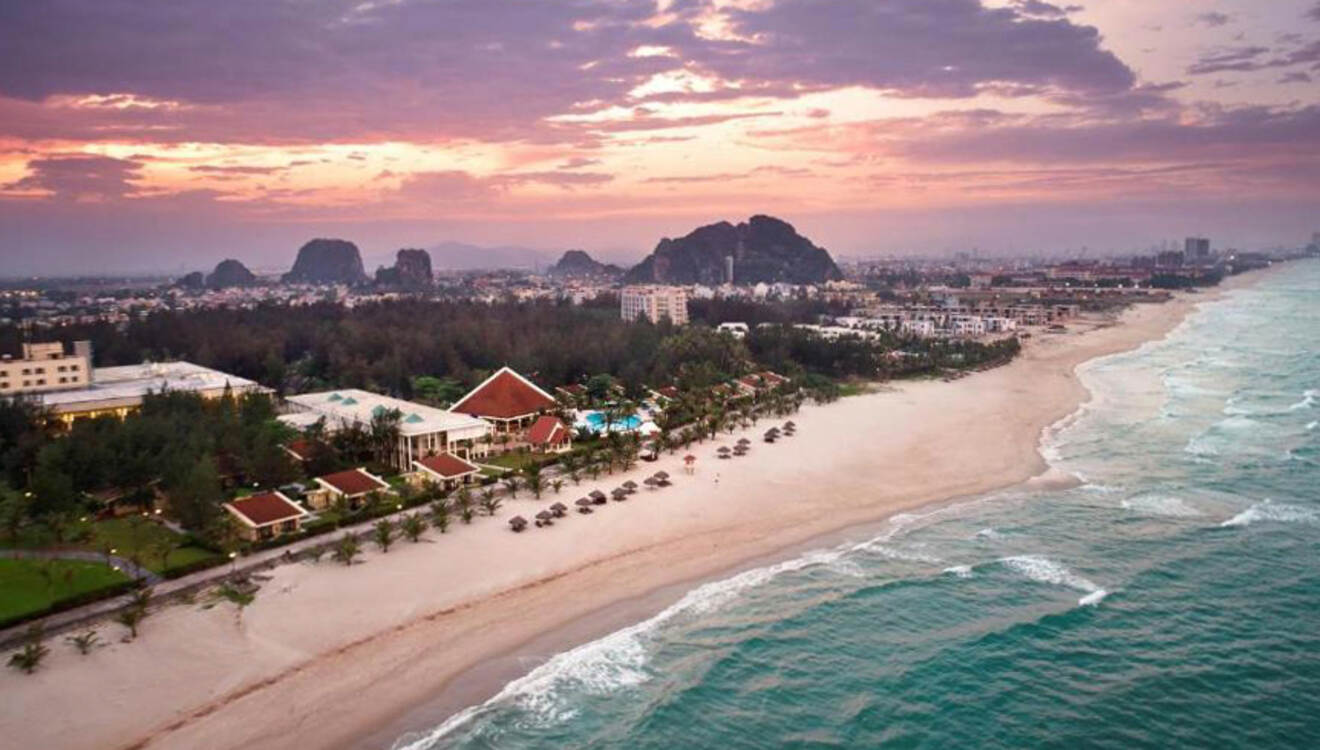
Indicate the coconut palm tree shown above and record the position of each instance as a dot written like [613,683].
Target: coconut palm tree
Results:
[440,514]
[84,642]
[28,658]
[383,534]
[535,482]
[413,527]
[512,483]
[346,549]
[489,502]
[238,596]
[556,485]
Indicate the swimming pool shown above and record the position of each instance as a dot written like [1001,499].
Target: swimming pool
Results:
[596,421]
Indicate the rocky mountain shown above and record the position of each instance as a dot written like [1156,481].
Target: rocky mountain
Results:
[229,273]
[577,263]
[411,270]
[194,280]
[327,261]
[764,249]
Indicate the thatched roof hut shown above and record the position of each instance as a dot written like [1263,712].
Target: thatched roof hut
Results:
[518,523]
[584,504]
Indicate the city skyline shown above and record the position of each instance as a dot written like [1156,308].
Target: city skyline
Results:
[136,139]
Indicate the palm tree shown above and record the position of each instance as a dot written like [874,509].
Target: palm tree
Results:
[384,434]
[534,481]
[556,485]
[513,484]
[84,642]
[413,526]
[28,658]
[489,502]
[130,618]
[240,597]
[440,514]
[346,549]
[383,534]
[466,513]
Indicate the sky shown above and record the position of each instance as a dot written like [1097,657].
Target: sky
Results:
[142,135]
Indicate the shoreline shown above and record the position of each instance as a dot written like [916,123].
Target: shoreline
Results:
[410,635]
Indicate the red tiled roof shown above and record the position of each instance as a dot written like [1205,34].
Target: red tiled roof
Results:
[300,449]
[547,430]
[266,508]
[504,395]
[668,391]
[446,465]
[574,388]
[353,482]
[774,377]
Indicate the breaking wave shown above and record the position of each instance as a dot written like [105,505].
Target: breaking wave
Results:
[1045,570]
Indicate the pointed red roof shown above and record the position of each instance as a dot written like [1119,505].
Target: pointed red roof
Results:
[266,508]
[504,395]
[354,482]
[547,430]
[446,465]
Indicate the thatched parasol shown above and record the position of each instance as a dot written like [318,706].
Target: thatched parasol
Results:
[518,523]
[546,518]
[598,497]
[630,485]
[651,482]
[661,475]
[744,441]
[789,425]
[620,494]
[559,509]
[584,504]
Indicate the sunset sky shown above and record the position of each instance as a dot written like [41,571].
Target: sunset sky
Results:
[140,135]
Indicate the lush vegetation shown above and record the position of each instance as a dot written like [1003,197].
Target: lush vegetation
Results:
[36,586]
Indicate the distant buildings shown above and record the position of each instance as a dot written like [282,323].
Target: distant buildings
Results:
[69,388]
[1196,250]
[46,367]
[655,303]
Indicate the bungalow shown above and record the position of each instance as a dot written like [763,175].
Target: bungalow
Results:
[352,486]
[507,400]
[300,450]
[266,516]
[549,435]
[444,469]
[668,393]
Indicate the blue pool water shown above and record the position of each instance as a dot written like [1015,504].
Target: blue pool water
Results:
[596,421]
[1170,600]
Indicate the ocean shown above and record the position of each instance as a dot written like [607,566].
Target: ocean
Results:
[1172,598]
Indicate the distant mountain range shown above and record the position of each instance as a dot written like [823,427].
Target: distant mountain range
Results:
[762,249]
[579,264]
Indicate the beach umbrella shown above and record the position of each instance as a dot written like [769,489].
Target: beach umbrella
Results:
[689,459]
[559,509]
[518,523]
[630,485]
[620,494]
[723,451]
[789,425]
[651,482]
[744,441]
[662,476]
[546,518]
[584,504]
[598,496]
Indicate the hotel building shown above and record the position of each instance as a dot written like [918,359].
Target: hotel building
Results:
[655,303]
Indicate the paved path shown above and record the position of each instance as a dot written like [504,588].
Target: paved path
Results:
[123,564]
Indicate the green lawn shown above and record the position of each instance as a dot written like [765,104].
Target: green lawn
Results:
[124,535]
[25,589]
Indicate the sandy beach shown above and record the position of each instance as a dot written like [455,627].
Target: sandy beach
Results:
[328,655]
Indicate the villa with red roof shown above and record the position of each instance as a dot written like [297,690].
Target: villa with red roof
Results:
[549,435]
[353,486]
[444,469]
[507,400]
[266,516]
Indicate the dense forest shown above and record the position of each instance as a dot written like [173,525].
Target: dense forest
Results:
[434,349]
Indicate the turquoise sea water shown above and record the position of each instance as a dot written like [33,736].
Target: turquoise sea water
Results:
[1171,600]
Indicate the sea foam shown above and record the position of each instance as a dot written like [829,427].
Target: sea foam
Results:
[1045,570]
[1268,510]
[1156,504]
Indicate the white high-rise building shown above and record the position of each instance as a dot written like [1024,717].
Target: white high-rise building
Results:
[46,367]
[655,303]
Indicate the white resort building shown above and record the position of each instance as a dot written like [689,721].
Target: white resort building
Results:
[423,430]
[655,303]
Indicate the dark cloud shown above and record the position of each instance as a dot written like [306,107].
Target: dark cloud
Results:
[914,47]
[79,177]
[1250,58]
[1296,76]
[234,170]
[285,71]
[1213,18]
[1314,13]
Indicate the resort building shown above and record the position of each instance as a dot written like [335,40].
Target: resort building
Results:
[549,435]
[351,486]
[655,303]
[46,367]
[423,430]
[506,400]
[443,469]
[266,516]
[119,390]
